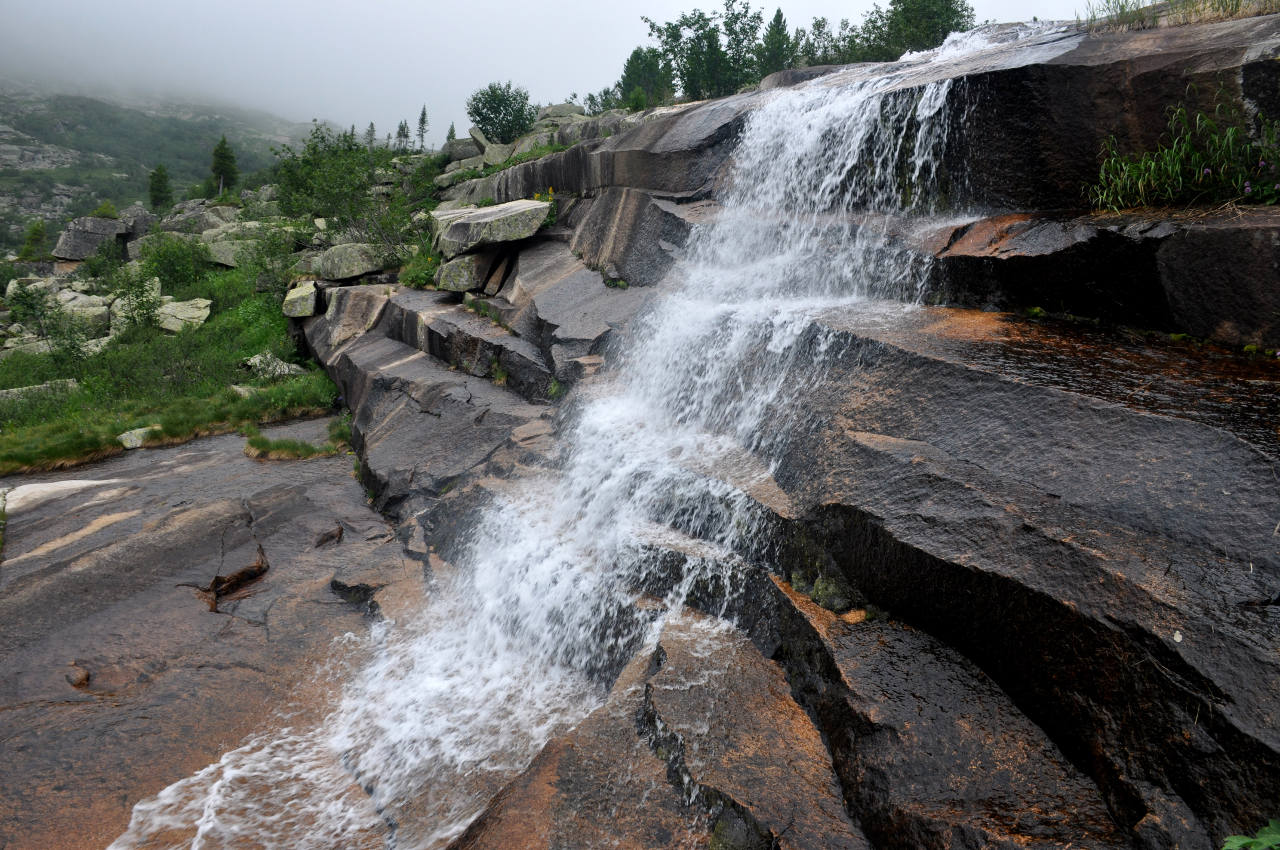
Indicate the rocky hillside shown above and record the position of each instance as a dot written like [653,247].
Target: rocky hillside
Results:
[62,154]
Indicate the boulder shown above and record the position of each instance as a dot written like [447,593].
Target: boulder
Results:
[561,110]
[83,236]
[634,236]
[269,367]
[224,253]
[91,310]
[137,220]
[232,230]
[449,179]
[463,274]
[524,144]
[119,306]
[49,284]
[460,149]
[300,301]
[350,260]
[351,312]
[477,135]
[198,219]
[1207,274]
[134,439]
[497,154]
[507,222]
[177,315]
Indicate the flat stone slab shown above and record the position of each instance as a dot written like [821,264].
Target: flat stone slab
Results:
[350,260]
[177,315]
[115,678]
[461,231]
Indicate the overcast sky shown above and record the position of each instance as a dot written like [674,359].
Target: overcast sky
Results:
[351,62]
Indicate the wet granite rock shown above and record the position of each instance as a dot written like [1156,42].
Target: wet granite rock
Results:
[1209,274]
[116,679]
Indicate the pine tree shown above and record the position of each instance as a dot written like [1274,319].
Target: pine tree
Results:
[452,134]
[422,128]
[223,169]
[402,136]
[777,50]
[370,136]
[158,188]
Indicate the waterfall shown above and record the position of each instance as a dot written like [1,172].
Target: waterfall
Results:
[523,633]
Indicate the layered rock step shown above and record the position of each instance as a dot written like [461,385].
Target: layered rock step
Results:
[420,426]
[436,323]
[1102,547]
[702,739]
[931,751]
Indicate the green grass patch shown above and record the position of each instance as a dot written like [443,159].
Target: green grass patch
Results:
[144,377]
[264,448]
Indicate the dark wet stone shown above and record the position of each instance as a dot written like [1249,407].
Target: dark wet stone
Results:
[100,575]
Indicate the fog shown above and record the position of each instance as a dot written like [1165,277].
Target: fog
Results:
[352,63]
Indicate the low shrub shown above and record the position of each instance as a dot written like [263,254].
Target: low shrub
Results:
[106,209]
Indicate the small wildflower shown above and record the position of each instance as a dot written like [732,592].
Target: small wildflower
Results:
[1208,171]
[1248,187]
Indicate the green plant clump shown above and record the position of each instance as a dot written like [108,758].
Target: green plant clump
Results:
[420,272]
[1268,838]
[1208,159]
[106,209]
[264,448]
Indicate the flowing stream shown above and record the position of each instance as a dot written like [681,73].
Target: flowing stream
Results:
[521,636]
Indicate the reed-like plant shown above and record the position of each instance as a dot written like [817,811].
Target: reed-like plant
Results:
[1206,159]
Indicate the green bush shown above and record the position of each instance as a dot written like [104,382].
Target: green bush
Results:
[102,263]
[501,111]
[332,176]
[35,242]
[106,209]
[178,262]
[138,300]
[1207,159]
[268,260]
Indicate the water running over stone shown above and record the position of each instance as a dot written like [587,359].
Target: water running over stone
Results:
[523,634]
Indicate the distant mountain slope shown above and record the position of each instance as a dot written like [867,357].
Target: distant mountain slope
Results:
[61,154]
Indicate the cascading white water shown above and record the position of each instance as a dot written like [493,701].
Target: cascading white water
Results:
[520,638]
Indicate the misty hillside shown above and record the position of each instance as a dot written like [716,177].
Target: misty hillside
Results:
[62,154]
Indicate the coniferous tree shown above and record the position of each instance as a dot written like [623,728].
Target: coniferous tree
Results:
[161,195]
[452,134]
[422,128]
[35,242]
[777,50]
[645,71]
[402,136]
[223,170]
[370,136]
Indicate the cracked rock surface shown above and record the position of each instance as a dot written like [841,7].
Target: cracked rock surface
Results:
[116,678]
